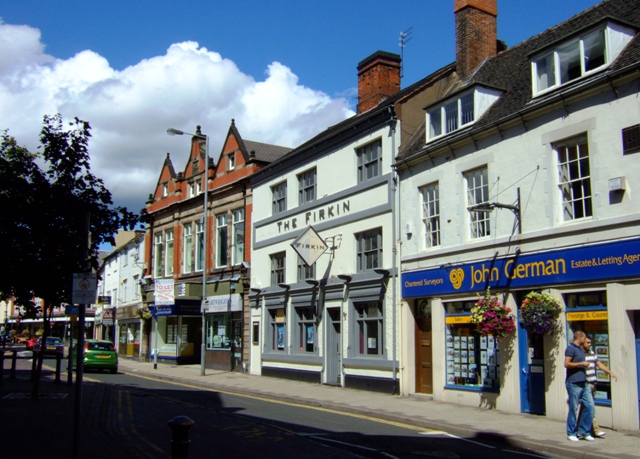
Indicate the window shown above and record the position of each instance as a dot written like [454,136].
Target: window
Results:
[255,333]
[165,190]
[195,165]
[278,262]
[279,195]
[453,115]
[631,139]
[574,178]
[199,246]
[369,326]
[472,359]
[307,187]
[431,214]
[306,329]
[478,192]
[238,237]
[580,57]
[231,161]
[218,331]
[168,254]
[159,255]
[369,249]
[277,328]
[187,258]
[172,330]
[199,187]
[222,239]
[305,272]
[369,161]
[580,309]
[192,190]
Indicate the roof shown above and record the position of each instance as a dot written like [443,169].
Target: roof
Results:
[265,152]
[510,70]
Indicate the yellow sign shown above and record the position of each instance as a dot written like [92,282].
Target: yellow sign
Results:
[458,319]
[587,315]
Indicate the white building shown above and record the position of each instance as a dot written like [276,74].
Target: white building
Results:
[544,133]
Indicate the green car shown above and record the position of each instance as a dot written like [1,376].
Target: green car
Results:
[98,355]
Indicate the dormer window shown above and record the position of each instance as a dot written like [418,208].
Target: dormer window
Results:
[459,112]
[579,57]
[231,162]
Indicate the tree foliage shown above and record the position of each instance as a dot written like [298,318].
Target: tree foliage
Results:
[44,201]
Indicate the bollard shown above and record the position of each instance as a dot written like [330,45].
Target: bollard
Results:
[58,368]
[1,368]
[34,362]
[12,375]
[180,427]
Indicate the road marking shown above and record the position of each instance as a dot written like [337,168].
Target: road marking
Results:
[470,441]
[281,402]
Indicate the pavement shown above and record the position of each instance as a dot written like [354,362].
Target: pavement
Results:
[533,432]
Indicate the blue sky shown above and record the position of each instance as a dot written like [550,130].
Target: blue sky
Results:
[285,70]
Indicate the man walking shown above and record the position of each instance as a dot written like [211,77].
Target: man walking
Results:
[593,361]
[578,389]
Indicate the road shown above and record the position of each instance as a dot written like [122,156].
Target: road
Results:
[137,410]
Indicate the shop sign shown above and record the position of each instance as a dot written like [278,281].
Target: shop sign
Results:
[458,319]
[587,315]
[222,303]
[163,292]
[616,260]
[309,246]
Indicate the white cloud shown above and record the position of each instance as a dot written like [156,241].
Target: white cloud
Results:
[130,110]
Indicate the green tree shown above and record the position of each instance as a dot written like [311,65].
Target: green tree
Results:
[45,198]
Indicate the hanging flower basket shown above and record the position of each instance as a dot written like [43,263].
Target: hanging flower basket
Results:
[539,313]
[492,317]
[144,313]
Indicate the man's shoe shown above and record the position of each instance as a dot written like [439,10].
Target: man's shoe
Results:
[588,438]
[573,438]
[601,433]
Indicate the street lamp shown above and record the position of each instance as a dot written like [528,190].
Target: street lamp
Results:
[489,206]
[172,131]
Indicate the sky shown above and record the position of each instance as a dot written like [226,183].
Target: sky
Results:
[285,70]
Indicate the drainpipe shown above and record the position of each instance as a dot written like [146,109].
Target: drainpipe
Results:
[394,233]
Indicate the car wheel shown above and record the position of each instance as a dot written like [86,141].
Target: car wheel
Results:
[114,370]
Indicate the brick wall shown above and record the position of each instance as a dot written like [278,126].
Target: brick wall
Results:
[476,34]
[378,79]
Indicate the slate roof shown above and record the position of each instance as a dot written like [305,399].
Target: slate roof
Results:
[510,70]
[265,152]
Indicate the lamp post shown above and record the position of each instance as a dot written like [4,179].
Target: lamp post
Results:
[172,131]
[489,206]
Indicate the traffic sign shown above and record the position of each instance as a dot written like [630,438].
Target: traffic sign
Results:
[84,288]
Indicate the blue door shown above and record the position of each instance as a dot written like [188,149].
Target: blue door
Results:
[532,389]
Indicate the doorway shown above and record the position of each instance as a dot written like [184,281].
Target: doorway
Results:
[333,354]
[532,389]
[424,350]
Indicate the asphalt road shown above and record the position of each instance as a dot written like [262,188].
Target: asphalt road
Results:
[137,411]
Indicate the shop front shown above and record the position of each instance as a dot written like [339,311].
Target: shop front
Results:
[129,331]
[597,287]
[223,331]
[177,333]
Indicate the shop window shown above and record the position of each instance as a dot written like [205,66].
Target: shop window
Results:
[278,325]
[218,331]
[369,323]
[471,358]
[172,330]
[306,328]
[588,312]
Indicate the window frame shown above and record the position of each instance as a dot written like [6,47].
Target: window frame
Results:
[237,239]
[369,256]
[222,240]
[452,115]
[369,158]
[187,248]
[278,263]
[231,161]
[199,257]
[430,196]
[279,198]
[307,186]
[477,192]
[366,323]
[303,323]
[579,205]
[305,272]
[168,253]
[158,270]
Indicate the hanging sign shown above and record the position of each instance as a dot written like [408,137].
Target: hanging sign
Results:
[309,246]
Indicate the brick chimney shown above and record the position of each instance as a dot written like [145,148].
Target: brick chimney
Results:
[476,34]
[378,79]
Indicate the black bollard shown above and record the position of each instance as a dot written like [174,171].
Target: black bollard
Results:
[12,375]
[180,427]
[58,368]
[34,362]
[1,368]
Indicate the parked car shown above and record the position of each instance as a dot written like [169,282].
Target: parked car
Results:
[31,342]
[98,355]
[53,346]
